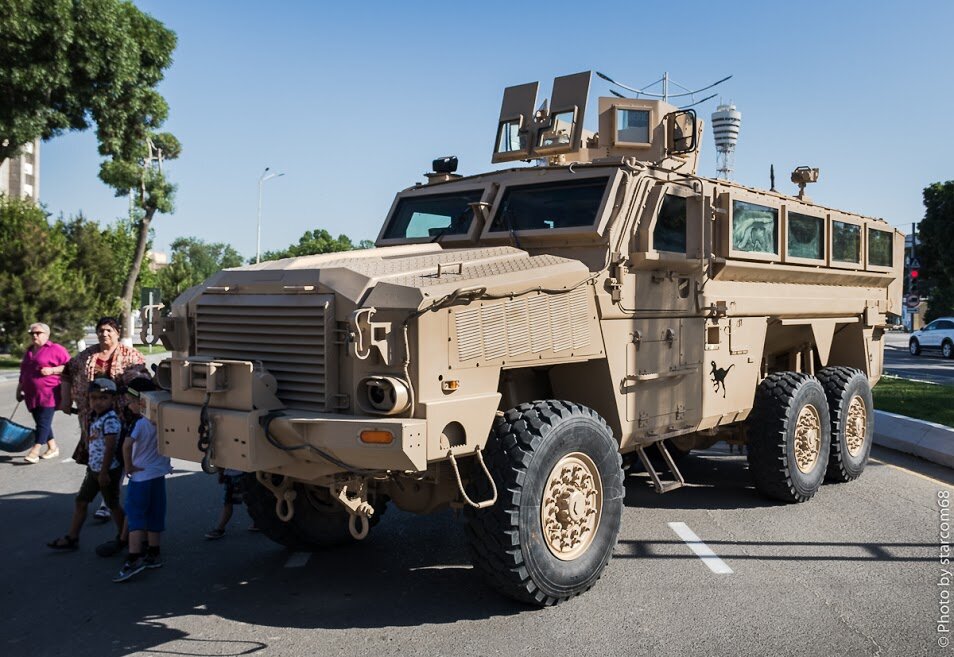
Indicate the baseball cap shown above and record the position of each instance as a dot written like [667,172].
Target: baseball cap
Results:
[102,385]
[140,385]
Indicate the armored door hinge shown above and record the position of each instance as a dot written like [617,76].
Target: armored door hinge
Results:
[670,337]
[643,419]
[680,411]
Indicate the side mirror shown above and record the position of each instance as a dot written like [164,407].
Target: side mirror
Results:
[681,132]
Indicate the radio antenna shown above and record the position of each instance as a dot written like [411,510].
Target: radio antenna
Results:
[665,81]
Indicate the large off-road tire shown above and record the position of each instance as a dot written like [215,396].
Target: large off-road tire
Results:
[789,432]
[318,522]
[559,481]
[852,421]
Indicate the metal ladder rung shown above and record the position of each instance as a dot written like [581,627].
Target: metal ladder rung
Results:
[658,484]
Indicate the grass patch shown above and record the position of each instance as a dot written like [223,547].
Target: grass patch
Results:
[8,361]
[923,401]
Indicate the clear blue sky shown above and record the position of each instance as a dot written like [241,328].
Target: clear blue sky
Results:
[352,101]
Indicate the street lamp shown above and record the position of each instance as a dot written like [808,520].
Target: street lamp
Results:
[258,241]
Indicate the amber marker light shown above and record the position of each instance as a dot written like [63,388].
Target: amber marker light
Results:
[377,437]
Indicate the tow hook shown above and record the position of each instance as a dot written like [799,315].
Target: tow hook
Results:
[284,495]
[353,496]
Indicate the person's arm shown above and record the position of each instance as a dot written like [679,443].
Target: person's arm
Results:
[109,440]
[127,456]
[19,392]
[49,371]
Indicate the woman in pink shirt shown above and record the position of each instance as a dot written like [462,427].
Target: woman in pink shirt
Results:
[39,385]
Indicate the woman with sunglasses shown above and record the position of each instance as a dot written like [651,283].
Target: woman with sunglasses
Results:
[39,386]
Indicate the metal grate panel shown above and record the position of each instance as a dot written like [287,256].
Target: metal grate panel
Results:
[288,333]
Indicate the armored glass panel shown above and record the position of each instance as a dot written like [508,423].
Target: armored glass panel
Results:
[845,242]
[562,204]
[806,236]
[754,228]
[632,126]
[510,139]
[879,248]
[670,231]
[560,132]
[430,216]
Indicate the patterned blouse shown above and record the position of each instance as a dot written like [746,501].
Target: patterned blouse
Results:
[123,366]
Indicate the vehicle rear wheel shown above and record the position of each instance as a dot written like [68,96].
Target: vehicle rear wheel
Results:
[947,349]
[789,433]
[559,480]
[914,347]
[852,421]
[318,521]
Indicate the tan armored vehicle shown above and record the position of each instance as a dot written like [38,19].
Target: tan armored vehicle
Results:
[516,333]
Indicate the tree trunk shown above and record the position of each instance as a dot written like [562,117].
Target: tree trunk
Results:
[130,285]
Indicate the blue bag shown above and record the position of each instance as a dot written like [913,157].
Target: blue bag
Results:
[15,437]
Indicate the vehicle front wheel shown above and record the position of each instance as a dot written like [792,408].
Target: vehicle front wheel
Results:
[789,432]
[914,347]
[947,349]
[559,480]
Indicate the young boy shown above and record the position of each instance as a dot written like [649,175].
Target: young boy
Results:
[146,492]
[232,495]
[103,472]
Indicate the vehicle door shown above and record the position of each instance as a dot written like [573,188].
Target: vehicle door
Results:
[930,336]
[945,331]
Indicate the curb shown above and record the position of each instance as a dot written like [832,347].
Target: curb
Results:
[927,440]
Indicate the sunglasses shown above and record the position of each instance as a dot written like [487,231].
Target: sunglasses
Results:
[37,332]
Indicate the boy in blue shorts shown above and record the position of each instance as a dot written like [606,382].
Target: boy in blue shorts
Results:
[146,492]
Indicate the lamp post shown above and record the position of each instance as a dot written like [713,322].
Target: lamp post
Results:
[258,239]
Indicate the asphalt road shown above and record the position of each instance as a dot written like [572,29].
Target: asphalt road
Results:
[855,571]
[929,366]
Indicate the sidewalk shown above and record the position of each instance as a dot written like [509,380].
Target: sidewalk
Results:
[927,440]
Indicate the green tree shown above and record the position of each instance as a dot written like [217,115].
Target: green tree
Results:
[37,280]
[935,237]
[68,64]
[103,257]
[192,261]
[316,241]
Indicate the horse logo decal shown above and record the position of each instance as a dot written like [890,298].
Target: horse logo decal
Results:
[718,376]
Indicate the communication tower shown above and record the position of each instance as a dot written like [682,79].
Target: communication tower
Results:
[726,121]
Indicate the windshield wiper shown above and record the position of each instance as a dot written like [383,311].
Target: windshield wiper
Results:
[514,240]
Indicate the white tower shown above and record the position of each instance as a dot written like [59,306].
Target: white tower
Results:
[726,121]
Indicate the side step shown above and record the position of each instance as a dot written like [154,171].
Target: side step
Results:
[658,484]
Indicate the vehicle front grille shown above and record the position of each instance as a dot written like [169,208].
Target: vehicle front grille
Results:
[288,333]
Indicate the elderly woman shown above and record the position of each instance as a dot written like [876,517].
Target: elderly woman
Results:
[39,386]
[108,359]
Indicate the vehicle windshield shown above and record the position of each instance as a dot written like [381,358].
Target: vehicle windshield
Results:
[563,204]
[430,216]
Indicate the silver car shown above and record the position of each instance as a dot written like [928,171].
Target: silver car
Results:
[938,335]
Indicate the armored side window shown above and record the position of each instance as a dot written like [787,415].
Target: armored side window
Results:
[670,231]
[806,236]
[560,132]
[632,126]
[754,228]
[562,204]
[880,248]
[429,216]
[510,139]
[845,242]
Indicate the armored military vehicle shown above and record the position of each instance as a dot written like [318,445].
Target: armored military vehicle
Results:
[516,333]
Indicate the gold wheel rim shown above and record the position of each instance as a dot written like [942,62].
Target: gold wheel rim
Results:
[572,505]
[807,439]
[856,426]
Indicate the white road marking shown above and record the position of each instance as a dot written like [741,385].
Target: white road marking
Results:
[703,551]
[298,559]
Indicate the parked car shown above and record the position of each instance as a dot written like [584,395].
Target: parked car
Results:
[938,335]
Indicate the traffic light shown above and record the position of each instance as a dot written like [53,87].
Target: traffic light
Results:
[913,285]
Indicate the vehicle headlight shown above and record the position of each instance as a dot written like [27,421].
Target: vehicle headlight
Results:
[383,395]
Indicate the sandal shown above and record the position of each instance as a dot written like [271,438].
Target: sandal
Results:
[214,534]
[64,543]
